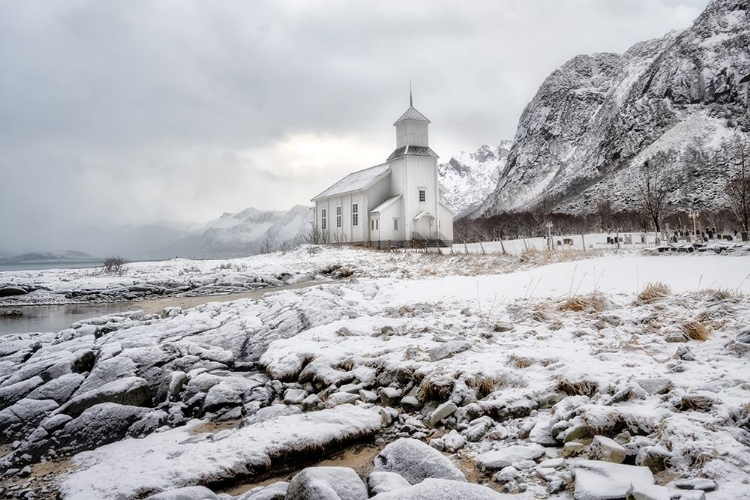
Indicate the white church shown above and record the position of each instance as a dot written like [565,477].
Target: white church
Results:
[398,203]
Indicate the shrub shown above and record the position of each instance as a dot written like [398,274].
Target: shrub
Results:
[114,265]
[654,291]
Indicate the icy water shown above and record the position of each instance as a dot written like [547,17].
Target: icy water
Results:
[39,266]
[56,317]
[53,318]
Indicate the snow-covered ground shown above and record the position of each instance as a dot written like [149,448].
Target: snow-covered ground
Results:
[530,378]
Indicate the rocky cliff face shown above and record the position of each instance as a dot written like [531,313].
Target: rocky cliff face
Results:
[596,119]
[471,177]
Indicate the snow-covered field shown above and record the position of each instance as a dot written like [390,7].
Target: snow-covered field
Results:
[535,376]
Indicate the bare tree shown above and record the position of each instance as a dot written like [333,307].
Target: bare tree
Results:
[738,188]
[650,180]
[115,265]
[266,246]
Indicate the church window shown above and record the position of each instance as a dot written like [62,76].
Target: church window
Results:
[355,214]
[338,216]
[323,219]
[372,225]
[422,195]
[395,224]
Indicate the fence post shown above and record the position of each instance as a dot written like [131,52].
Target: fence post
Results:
[502,247]
[583,240]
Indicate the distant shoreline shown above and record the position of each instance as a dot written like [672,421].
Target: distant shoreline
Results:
[41,265]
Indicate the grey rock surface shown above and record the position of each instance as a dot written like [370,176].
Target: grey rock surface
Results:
[326,483]
[416,461]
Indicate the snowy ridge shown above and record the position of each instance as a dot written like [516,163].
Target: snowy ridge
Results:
[471,177]
[599,116]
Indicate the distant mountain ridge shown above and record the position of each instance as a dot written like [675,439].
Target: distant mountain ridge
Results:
[599,117]
[41,257]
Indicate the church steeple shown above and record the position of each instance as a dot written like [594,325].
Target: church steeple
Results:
[411,101]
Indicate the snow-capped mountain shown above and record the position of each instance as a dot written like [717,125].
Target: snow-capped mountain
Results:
[601,116]
[471,177]
[245,233]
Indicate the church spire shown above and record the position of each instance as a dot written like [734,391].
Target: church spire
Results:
[411,101]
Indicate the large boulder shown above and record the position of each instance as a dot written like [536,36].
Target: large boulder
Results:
[443,489]
[416,461]
[326,483]
[107,371]
[59,389]
[597,480]
[14,393]
[131,391]
[18,420]
[101,424]
[383,482]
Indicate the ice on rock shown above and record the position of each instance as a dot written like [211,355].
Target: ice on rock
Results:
[499,459]
[383,482]
[443,489]
[416,461]
[326,483]
[597,480]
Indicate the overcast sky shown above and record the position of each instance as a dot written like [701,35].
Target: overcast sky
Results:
[130,112]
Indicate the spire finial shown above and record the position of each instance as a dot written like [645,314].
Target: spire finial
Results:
[411,101]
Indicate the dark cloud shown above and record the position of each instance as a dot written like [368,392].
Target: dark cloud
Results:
[127,112]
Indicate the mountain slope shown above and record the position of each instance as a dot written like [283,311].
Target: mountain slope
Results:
[245,233]
[600,116]
[471,177]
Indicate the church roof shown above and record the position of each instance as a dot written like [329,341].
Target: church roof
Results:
[412,114]
[413,151]
[356,181]
[387,203]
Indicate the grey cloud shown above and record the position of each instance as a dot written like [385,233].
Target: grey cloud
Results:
[116,112]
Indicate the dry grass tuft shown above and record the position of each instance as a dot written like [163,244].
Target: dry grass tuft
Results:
[438,389]
[483,384]
[519,361]
[696,403]
[653,292]
[580,388]
[696,330]
[595,302]
[719,294]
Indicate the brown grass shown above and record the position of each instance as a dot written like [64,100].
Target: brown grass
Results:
[580,388]
[519,361]
[438,389]
[595,302]
[696,403]
[654,292]
[696,330]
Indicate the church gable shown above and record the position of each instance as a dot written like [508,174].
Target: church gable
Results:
[356,181]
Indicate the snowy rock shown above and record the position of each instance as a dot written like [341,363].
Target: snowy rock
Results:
[171,386]
[453,441]
[478,428]
[107,371]
[606,449]
[59,389]
[655,385]
[389,396]
[595,480]
[270,413]
[342,398]
[326,483]
[647,492]
[368,396]
[499,459]
[101,424]
[447,350]
[13,393]
[655,458]
[443,411]
[275,491]
[696,484]
[187,493]
[443,489]
[383,482]
[19,419]
[692,495]
[573,449]
[416,461]
[131,391]
[506,474]
[294,396]
[542,432]
[312,402]
[410,403]
[438,444]
[576,431]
